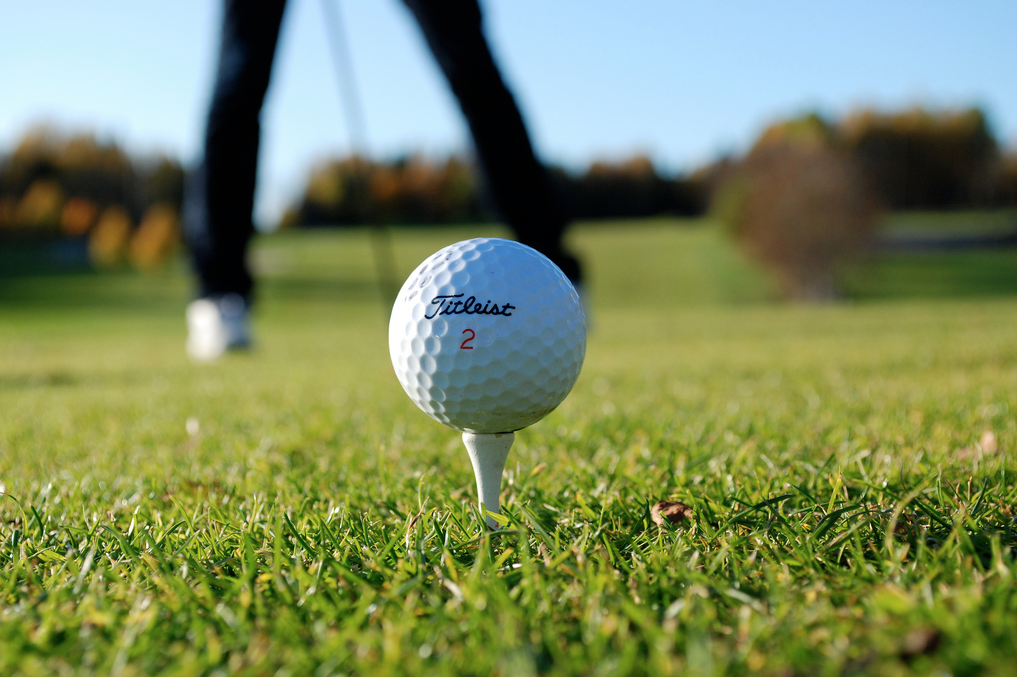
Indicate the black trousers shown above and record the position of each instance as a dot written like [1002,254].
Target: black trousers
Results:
[220,197]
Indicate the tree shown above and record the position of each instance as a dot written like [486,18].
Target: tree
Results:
[803,208]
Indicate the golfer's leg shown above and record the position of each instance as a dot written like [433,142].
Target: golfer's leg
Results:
[218,213]
[519,183]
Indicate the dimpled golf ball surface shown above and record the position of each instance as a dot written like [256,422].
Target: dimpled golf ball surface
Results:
[487,336]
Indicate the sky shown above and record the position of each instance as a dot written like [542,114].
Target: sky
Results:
[680,81]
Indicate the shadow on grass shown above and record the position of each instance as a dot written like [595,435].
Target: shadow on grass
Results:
[29,257]
[68,379]
[47,276]
[54,379]
[89,291]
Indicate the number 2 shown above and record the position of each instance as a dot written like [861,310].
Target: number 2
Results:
[465,344]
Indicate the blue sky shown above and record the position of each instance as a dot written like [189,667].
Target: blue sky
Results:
[680,81]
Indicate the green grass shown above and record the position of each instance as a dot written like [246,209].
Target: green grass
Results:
[291,512]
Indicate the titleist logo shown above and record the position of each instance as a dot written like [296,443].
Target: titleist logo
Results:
[454,304]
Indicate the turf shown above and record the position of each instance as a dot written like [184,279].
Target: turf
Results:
[850,470]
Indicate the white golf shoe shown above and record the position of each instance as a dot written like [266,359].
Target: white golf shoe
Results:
[216,325]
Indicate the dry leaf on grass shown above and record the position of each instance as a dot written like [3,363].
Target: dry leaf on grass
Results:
[987,446]
[919,642]
[988,442]
[672,511]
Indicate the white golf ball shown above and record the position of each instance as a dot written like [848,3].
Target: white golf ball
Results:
[487,336]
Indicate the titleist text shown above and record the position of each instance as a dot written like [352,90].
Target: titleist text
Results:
[455,304]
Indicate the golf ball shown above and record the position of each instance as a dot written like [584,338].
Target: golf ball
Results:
[487,336]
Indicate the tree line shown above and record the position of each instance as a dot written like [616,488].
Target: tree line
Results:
[81,186]
[914,159]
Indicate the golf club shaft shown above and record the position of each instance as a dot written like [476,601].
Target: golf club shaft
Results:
[381,240]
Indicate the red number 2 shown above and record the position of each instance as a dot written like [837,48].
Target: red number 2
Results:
[464,345]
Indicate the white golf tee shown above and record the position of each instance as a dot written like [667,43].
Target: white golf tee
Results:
[488,452]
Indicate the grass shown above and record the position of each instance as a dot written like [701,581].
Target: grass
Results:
[940,273]
[951,224]
[850,468]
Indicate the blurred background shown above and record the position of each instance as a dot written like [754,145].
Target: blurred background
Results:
[812,133]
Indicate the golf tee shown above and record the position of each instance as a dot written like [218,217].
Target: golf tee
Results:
[488,452]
